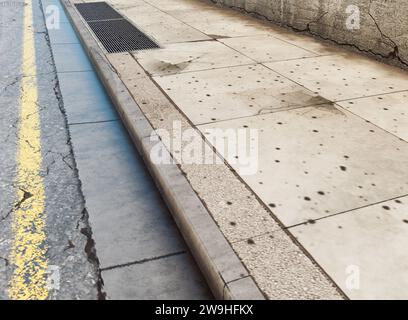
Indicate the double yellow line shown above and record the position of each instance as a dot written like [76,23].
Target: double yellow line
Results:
[29,251]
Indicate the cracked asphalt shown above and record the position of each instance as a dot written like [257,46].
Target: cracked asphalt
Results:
[70,253]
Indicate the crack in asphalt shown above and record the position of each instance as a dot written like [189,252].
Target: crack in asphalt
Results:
[63,157]
[12,83]
[70,245]
[26,195]
[12,132]
[90,251]
[56,163]
[7,262]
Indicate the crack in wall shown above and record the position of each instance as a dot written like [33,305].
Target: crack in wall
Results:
[395,52]
[393,55]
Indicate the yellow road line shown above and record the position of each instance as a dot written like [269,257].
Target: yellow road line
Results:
[28,254]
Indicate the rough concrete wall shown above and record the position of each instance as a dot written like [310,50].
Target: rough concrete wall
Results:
[376,26]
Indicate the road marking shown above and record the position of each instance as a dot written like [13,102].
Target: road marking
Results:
[28,254]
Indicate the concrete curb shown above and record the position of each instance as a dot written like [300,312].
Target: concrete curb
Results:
[224,272]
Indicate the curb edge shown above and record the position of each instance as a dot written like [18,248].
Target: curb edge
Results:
[224,272]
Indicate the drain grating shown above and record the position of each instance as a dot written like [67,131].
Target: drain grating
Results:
[120,35]
[113,31]
[97,11]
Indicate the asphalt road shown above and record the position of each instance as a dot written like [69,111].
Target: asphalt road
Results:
[87,226]
[65,225]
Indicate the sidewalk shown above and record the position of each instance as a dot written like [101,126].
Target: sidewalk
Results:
[328,199]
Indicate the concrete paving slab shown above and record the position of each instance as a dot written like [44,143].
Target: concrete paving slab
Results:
[222,94]
[63,35]
[70,58]
[84,98]
[169,278]
[130,221]
[214,21]
[315,161]
[126,4]
[213,13]
[166,5]
[364,250]
[266,48]
[192,56]
[388,111]
[144,14]
[163,27]
[228,27]
[345,76]
[241,287]
[236,210]
[282,270]
[305,41]
[125,65]
[54,8]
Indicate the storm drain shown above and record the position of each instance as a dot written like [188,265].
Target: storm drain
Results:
[120,35]
[97,11]
[113,31]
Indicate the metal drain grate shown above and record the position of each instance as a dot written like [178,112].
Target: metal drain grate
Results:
[97,11]
[120,35]
[113,31]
